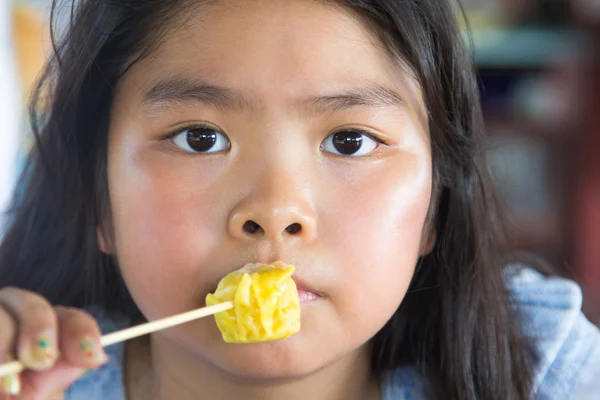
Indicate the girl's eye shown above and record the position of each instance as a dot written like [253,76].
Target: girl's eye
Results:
[350,143]
[201,140]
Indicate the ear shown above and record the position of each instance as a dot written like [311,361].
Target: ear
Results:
[102,242]
[428,240]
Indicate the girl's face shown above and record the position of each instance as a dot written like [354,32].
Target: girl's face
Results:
[262,131]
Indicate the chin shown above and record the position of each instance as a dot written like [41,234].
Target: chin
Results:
[280,360]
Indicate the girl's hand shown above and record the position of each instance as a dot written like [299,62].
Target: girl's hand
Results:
[56,344]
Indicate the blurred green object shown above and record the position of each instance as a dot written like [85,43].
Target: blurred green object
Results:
[523,47]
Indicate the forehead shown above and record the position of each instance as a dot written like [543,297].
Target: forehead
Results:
[276,51]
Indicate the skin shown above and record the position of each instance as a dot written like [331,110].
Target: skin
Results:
[178,217]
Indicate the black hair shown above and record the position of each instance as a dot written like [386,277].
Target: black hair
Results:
[456,324]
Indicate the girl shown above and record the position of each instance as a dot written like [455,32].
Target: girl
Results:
[180,140]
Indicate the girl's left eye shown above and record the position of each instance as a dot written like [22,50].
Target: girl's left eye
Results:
[350,143]
[201,140]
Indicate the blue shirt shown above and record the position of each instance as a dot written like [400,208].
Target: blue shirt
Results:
[567,344]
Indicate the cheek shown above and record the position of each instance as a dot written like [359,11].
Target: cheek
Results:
[162,221]
[379,241]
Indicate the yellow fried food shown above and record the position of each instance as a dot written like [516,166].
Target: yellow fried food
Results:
[266,304]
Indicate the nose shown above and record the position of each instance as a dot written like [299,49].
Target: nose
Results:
[275,218]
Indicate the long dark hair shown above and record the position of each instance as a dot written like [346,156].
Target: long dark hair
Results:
[455,324]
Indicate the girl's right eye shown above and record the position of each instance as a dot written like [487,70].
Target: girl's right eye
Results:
[201,139]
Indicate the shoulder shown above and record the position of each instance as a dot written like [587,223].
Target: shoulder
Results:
[107,381]
[566,344]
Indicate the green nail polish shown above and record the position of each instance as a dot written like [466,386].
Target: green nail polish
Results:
[90,350]
[42,351]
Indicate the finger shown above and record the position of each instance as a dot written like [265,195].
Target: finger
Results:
[79,338]
[8,330]
[46,384]
[36,327]
[10,384]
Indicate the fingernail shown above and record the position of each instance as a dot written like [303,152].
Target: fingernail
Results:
[11,384]
[43,351]
[91,351]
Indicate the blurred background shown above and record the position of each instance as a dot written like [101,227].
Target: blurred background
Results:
[539,69]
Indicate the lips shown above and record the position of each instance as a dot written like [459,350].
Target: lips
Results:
[305,294]
[305,297]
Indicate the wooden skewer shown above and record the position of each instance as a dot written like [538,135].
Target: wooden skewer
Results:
[164,323]
[15,367]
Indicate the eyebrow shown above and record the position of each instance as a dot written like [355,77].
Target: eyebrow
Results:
[183,90]
[366,95]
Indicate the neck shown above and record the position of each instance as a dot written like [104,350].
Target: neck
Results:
[158,369]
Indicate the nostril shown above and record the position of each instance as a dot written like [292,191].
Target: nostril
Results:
[293,228]
[251,227]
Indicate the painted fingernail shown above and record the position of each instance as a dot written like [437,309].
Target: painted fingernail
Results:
[11,384]
[91,351]
[43,351]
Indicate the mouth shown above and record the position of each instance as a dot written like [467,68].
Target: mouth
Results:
[305,294]
[307,297]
